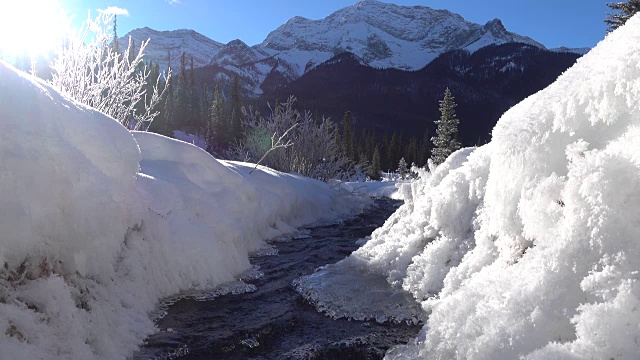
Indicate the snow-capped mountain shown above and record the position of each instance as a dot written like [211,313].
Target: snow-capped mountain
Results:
[174,43]
[382,35]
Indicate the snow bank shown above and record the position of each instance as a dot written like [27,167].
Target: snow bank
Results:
[98,223]
[390,189]
[528,246]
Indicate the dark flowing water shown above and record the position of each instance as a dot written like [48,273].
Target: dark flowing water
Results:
[274,322]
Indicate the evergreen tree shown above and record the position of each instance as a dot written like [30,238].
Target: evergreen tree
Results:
[164,123]
[446,141]
[205,105]
[218,131]
[411,151]
[347,136]
[374,169]
[116,41]
[236,111]
[363,154]
[182,95]
[625,10]
[384,153]
[371,143]
[423,151]
[194,120]
[402,168]
[395,148]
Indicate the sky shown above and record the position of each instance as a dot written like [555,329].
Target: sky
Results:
[572,23]
[30,25]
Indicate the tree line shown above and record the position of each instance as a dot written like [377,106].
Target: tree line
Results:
[198,110]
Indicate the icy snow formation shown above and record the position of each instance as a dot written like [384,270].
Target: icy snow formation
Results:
[528,246]
[341,291]
[98,223]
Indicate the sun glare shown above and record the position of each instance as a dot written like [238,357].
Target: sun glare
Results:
[31,27]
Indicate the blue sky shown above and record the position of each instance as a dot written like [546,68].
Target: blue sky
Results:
[572,23]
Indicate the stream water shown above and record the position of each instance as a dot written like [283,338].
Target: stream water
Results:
[272,321]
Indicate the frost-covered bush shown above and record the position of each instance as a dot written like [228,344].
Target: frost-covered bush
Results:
[89,70]
[313,151]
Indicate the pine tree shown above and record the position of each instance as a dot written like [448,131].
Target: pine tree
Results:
[374,169]
[164,124]
[446,141]
[347,136]
[236,111]
[402,168]
[395,148]
[218,130]
[116,41]
[625,11]
[411,151]
[195,121]
[181,95]
[205,105]
[384,153]
[423,151]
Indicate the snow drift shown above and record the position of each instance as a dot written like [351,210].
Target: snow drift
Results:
[98,223]
[528,246]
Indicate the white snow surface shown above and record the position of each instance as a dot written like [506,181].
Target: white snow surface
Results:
[527,247]
[390,189]
[99,223]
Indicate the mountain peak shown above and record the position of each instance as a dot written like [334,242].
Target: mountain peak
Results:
[384,35]
[496,28]
[172,43]
[495,24]
[237,43]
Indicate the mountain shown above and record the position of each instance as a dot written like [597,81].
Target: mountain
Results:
[387,64]
[485,84]
[383,35]
[175,43]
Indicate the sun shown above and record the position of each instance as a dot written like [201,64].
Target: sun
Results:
[31,27]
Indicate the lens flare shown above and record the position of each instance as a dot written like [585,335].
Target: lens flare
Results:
[31,27]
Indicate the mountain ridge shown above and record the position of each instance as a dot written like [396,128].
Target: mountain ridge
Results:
[383,35]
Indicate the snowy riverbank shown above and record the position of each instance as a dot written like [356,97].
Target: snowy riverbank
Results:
[98,223]
[528,247]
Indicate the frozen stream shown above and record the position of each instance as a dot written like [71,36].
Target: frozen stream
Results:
[274,322]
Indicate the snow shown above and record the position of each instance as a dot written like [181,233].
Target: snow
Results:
[165,44]
[98,224]
[527,247]
[389,189]
[385,35]
[189,138]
